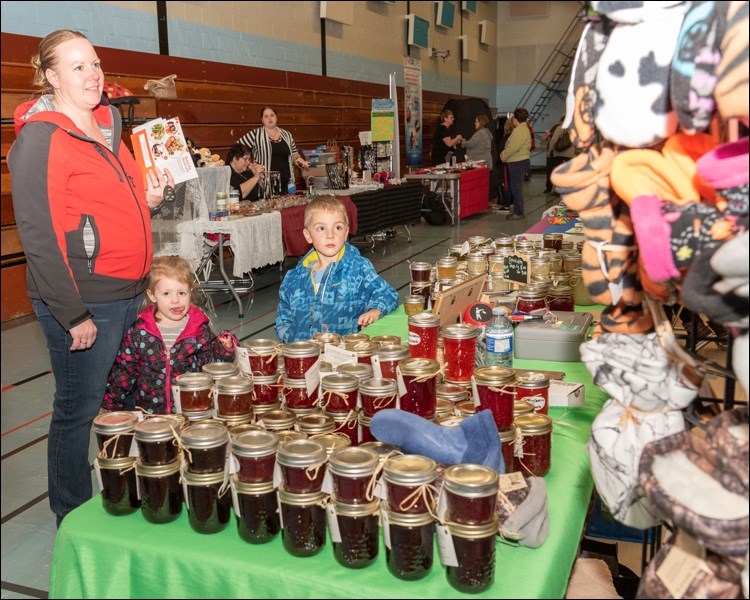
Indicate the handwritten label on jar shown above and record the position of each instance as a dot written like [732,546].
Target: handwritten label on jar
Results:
[510,482]
[516,269]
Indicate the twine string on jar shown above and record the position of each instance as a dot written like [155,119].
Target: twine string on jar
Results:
[312,471]
[177,441]
[382,402]
[506,389]
[375,477]
[104,452]
[425,492]
[348,422]
[326,397]
[225,486]
[428,376]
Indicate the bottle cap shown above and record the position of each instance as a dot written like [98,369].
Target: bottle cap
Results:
[499,310]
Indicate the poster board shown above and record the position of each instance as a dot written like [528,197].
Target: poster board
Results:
[451,304]
[382,115]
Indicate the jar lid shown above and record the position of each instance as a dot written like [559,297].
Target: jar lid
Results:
[221,195]
[157,470]
[424,319]
[410,469]
[494,375]
[419,366]
[364,348]
[365,509]
[303,349]
[230,421]
[466,408]
[560,290]
[552,236]
[115,422]
[353,461]
[364,420]
[377,386]
[359,370]
[279,418]
[409,519]
[451,421]
[456,248]
[194,382]
[508,436]
[487,251]
[522,407]
[474,531]
[325,337]
[265,379]
[252,444]
[452,392]
[533,424]
[301,453]
[478,257]
[532,380]
[252,489]
[504,241]
[236,430]
[410,299]
[447,261]
[295,383]
[339,382]
[332,441]
[219,370]
[393,351]
[460,331]
[531,293]
[263,409]
[304,412]
[355,337]
[302,499]
[380,448]
[204,435]
[261,346]
[155,429]
[191,478]
[124,462]
[471,481]
[315,423]
[236,384]
[420,266]
[288,435]
[443,407]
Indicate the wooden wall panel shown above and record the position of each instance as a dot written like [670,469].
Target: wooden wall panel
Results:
[15,303]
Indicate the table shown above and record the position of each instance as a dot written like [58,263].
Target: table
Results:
[97,555]
[388,207]
[293,222]
[463,193]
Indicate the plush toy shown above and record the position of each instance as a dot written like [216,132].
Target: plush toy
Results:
[207,159]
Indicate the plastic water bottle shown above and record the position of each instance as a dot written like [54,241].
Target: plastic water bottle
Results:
[499,339]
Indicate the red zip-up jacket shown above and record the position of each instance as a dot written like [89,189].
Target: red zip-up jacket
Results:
[81,212]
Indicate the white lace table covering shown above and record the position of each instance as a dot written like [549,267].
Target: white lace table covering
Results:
[256,241]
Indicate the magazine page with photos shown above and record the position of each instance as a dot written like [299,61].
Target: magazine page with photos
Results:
[161,143]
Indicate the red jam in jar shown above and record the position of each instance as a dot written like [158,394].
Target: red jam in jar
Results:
[358,527]
[299,357]
[530,299]
[266,390]
[423,335]
[161,491]
[339,393]
[263,356]
[475,554]
[460,347]
[507,444]
[303,465]
[296,396]
[363,350]
[377,394]
[496,389]
[560,297]
[409,545]
[156,441]
[536,430]
[119,491]
[470,494]
[209,501]
[352,472]
[303,521]
[420,381]
[347,424]
[195,391]
[365,435]
[234,396]
[206,445]
[409,482]
[114,433]
[389,357]
[533,386]
[255,451]
[258,521]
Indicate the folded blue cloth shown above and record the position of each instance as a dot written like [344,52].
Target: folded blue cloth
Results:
[474,441]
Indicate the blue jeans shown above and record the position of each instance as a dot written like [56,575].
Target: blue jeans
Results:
[80,381]
[516,173]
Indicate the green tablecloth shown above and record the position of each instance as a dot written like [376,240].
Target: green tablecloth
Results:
[101,556]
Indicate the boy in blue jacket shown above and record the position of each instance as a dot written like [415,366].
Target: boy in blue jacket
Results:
[333,288]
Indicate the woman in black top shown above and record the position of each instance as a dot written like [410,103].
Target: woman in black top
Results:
[245,172]
[446,138]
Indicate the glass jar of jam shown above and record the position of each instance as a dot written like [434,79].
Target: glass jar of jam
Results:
[496,389]
[266,390]
[195,392]
[581,295]
[522,407]
[299,357]
[234,396]
[358,534]
[536,432]
[220,370]
[475,554]
[347,424]
[114,433]
[303,464]
[465,409]
[530,299]
[571,261]
[363,350]
[303,522]
[255,452]
[552,240]
[119,490]
[497,283]
[377,394]
[209,501]
[452,392]
[560,297]
[350,338]
[365,435]
[470,494]
[507,445]
[161,491]
[539,266]
[387,340]
[533,386]
[261,410]
[413,304]
[389,356]
[332,441]
[279,419]
[409,544]
[295,394]
[258,518]
[409,482]
[476,264]
[420,381]
[156,440]
[314,424]
[352,472]
[423,335]
[339,393]
[460,342]
[420,271]
[555,264]
[359,370]
[456,250]
[496,264]
[206,445]
[263,356]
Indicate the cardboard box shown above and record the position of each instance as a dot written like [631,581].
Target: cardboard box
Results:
[566,393]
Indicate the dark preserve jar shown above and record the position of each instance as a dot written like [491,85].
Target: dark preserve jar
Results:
[475,554]
[507,444]
[357,546]
[255,451]
[206,444]
[303,464]
[408,478]
[536,430]
[352,470]
[155,438]
[209,501]
[161,491]
[303,522]
[377,394]
[299,357]
[114,433]
[470,493]
[258,519]
[195,392]
[119,490]
[234,396]
[420,381]
[409,544]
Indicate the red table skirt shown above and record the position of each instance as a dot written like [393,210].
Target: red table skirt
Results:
[475,191]
[293,222]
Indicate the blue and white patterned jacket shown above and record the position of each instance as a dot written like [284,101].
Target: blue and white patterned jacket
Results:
[350,287]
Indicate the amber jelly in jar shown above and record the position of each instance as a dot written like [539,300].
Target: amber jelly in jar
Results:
[420,381]
[533,386]
[258,521]
[496,390]
[409,480]
[303,464]
[195,392]
[156,440]
[409,544]
[358,529]
[536,430]
[119,491]
[255,452]
[234,396]
[377,394]
[475,554]
[299,357]
[209,501]
[470,494]
[161,491]
[352,472]
[303,522]
[114,431]
[423,335]
[206,445]
[460,347]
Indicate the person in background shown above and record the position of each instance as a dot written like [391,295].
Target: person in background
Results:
[82,207]
[171,336]
[527,176]
[517,155]
[245,172]
[479,145]
[333,288]
[274,148]
[446,139]
[551,164]
[561,152]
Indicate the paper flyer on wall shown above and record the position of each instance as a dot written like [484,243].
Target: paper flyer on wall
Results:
[161,143]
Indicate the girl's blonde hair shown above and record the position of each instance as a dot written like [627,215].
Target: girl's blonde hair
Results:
[173,267]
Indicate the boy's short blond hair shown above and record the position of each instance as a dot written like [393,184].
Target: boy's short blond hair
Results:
[326,204]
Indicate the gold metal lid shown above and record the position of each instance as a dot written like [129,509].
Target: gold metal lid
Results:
[253,444]
[494,375]
[204,435]
[359,370]
[339,382]
[219,370]
[194,382]
[380,448]
[420,266]
[236,384]
[410,470]
[355,337]
[522,407]
[508,436]
[376,386]
[111,423]
[409,519]
[388,340]
[324,337]
[424,319]
[533,424]
[393,351]
[466,408]
[315,423]
[303,349]
[363,348]
[156,429]
[474,532]
[252,489]
[124,462]
[532,380]
[301,453]
[191,478]
[452,392]
[471,481]
[365,509]
[157,470]
[419,366]
[460,331]
[289,435]
[261,346]
[279,418]
[302,499]
[353,461]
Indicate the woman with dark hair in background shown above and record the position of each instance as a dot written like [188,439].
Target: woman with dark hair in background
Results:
[517,155]
[245,172]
